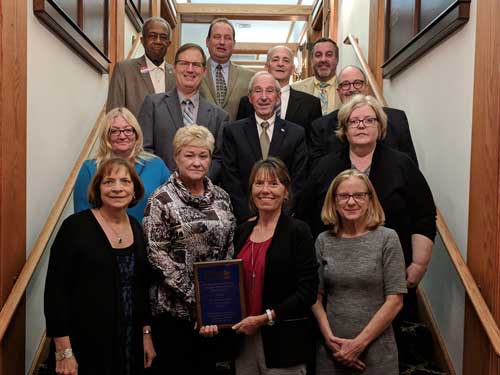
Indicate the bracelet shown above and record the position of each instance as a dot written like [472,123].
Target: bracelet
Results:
[64,354]
[146,332]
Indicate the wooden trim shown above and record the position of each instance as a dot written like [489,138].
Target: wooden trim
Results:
[334,19]
[117,31]
[442,27]
[156,8]
[41,354]
[134,15]
[205,13]
[69,32]
[13,106]
[169,13]
[260,48]
[175,42]
[483,255]
[376,40]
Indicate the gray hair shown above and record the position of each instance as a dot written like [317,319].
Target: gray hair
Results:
[272,50]
[263,73]
[159,20]
[353,67]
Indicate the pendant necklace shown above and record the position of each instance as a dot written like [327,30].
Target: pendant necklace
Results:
[119,237]
[253,265]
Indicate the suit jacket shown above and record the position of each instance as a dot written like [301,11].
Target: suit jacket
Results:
[302,109]
[160,118]
[237,87]
[128,86]
[307,85]
[290,289]
[241,149]
[401,188]
[324,140]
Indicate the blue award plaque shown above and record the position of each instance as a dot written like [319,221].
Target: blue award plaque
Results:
[220,297]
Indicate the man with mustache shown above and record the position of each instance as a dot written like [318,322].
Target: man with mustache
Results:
[256,137]
[162,115]
[324,59]
[133,79]
[225,83]
[296,106]
[352,81]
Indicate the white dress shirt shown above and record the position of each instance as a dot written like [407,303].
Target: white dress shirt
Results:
[269,129]
[225,70]
[285,96]
[157,74]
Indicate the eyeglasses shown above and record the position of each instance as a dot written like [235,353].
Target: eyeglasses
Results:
[185,64]
[367,122]
[154,36]
[115,133]
[346,85]
[360,197]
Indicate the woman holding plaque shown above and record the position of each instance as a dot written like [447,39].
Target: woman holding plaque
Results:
[281,279]
[187,220]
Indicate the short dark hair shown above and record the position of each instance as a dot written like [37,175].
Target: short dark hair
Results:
[187,46]
[327,40]
[276,169]
[159,20]
[104,170]
[221,20]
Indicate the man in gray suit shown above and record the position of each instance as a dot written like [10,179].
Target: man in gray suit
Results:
[162,114]
[133,79]
[225,82]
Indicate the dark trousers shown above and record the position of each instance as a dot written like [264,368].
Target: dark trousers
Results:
[180,349]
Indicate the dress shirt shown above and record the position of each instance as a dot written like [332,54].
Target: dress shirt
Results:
[225,70]
[331,91]
[269,129]
[157,74]
[195,99]
[285,96]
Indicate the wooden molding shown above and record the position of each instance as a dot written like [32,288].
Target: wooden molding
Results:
[169,12]
[334,19]
[376,40]
[41,354]
[117,31]
[65,28]
[13,107]
[205,13]
[483,255]
[134,15]
[260,48]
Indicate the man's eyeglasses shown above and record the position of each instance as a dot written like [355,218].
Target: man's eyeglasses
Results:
[185,64]
[154,36]
[367,122]
[128,132]
[343,198]
[346,85]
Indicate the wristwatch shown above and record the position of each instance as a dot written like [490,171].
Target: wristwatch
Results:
[64,354]
[270,317]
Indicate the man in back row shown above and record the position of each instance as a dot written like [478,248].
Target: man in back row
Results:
[149,74]
[225,83]
[324,59]
[352,81]
[295,106]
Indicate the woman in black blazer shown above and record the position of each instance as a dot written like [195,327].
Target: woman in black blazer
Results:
[281,279]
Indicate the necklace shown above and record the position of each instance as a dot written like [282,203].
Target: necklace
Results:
[119,237]
[253,266]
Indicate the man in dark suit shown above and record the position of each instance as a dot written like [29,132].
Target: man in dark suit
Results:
[352,81]
[296,106]
[162,114]
[256,137]
[133,79]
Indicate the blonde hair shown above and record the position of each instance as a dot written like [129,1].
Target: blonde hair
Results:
[358,101]
[193,135]
[105,150]
[329,215]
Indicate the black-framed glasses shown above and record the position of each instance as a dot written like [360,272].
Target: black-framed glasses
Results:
[115,132]
[346,85]
[367,122]
[359,197]
[185,64]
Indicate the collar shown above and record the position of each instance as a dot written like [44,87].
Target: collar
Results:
[270,120]
[331,82]
[152,66]
[214,64]
[194,98]
[285,89]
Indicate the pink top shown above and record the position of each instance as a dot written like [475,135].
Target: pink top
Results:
[253,255]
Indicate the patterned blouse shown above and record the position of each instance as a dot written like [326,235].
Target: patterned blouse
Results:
[181,229]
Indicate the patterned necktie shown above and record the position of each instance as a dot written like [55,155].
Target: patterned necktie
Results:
[188,112]
[220,85]
[323,97]
[278,110]
[264,139]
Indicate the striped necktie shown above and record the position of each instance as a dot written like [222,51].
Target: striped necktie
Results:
[278,110]
[188,112]
[220,85]
[323,97]
[264,140]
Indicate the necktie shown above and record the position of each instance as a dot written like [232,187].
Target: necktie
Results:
[278,110]
[323,97]
[188,112]
[220,85]
[264,139]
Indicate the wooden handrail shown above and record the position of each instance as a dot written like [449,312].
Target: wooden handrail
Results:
[19,288]
[470,285]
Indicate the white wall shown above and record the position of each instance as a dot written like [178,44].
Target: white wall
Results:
[436,93]
[129,33]
[65,96]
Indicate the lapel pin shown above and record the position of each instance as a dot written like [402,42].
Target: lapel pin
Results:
[283,130]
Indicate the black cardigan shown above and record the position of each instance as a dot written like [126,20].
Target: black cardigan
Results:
[82,294]
[290,288]
[401,188]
